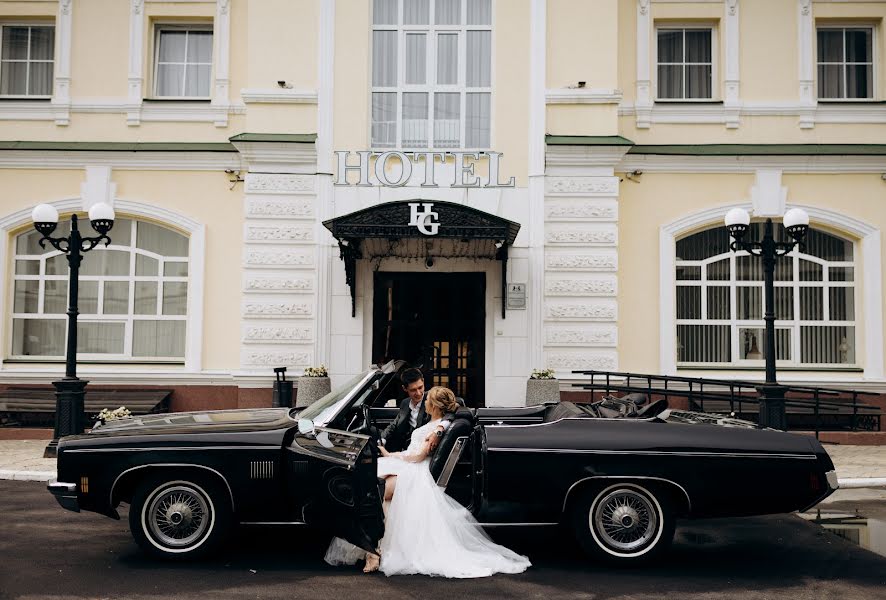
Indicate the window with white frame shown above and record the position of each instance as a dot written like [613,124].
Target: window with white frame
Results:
[431,74]
[27,60]
[183,61]
[720,302]
[685,63]
[133,296]
[845,63]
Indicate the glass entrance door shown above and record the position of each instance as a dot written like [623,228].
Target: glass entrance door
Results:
[435,321]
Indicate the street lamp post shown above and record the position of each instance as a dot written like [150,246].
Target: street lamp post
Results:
[796,223]
[69,391]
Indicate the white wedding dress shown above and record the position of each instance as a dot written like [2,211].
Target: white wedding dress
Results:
[426,531]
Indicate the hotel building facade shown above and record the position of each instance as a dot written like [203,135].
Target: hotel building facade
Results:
[483,187]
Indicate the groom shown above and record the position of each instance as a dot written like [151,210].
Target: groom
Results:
[412,415]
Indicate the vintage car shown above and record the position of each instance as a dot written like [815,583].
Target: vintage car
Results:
[615,475]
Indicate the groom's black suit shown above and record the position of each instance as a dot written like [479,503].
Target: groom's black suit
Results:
[397,435]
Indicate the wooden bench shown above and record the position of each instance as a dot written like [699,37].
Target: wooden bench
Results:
[36,406]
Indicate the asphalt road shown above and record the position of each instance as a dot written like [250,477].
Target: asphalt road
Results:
[47,552]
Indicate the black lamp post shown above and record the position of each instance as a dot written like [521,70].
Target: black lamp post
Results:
[796,223]
[69,391]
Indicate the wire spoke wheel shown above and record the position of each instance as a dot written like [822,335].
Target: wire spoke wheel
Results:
[625,519]
[178,516]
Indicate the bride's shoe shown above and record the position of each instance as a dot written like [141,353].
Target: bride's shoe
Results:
[372,562]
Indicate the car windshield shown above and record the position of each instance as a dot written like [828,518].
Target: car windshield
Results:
[323,410]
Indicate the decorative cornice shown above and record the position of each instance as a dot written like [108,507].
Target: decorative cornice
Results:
[585,336]
[581,262]
[285,233]
[579,287]
[278,96]
[656,163]
[576,209]
[278,309]
[583,96]
[581,362]
[137,6]
[265,183]
[277,209]
[278,258]
[275,358]
[64,6]
[275,285]
[597,311]
[278,335]
[581,186]
[581,236]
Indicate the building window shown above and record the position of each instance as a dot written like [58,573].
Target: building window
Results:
[183,65]
[133,296]
[845,63]
[26,60]
[720,303]
[685,63]
[431,74]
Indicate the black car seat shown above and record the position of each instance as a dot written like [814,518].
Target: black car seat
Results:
[449,449]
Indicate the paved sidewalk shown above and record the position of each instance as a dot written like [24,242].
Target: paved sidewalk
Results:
[857,466]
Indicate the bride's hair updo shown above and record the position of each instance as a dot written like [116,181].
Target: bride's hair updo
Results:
[442,399]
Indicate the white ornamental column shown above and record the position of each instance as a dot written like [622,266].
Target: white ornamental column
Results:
[581,259]
[279,273]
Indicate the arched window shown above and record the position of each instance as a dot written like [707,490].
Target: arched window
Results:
[720,303]
[133,296]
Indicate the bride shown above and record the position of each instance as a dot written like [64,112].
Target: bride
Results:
[426,531]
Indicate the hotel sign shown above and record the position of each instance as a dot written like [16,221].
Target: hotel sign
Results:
[387,175]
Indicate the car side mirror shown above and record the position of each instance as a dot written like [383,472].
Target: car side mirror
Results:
[306,426]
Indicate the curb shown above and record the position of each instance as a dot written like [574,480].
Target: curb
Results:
[862,482]
[27,475]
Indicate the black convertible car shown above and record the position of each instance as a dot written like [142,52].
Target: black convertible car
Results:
[615,475]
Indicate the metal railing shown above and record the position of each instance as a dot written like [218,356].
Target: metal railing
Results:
[831,409]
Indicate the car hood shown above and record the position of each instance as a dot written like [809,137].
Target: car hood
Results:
[257,419]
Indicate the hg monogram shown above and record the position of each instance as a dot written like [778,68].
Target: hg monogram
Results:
[420,215]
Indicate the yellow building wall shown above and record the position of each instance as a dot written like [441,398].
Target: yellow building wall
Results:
[768,52]
[661,198]
[205,197]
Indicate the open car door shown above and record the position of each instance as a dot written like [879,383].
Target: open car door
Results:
[346,497]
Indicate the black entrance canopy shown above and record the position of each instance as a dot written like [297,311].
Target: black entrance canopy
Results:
[421,229]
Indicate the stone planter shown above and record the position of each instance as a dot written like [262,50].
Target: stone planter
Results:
[311,389]
[540,391]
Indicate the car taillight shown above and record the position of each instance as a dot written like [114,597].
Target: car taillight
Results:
[814,482]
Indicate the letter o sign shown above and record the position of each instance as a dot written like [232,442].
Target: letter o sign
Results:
[381,164]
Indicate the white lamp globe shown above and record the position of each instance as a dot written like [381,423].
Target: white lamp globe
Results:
[101,212]
[796,217]
[737,216]
[44,213]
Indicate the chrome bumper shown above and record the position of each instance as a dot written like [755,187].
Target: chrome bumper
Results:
[832,480]
[65,494]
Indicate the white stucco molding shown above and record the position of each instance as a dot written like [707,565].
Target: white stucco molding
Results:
[195,231]
[731,82]
[871,249]
[278,96]
[61,96]
[657,163]
[860,113]
[145,161]
[589,161]
[537,160]
[136,80]
[806,63]
[643,95]
[222,40]
[583,96]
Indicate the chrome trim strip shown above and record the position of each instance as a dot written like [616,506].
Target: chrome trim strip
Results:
[629,477]
[272,523]
[451,461]
[114,485]
[172,448]
[518,524]
[833,483]
[60,487]
[654,453]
